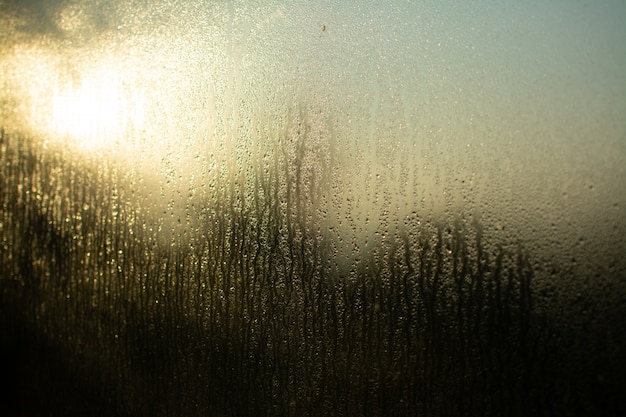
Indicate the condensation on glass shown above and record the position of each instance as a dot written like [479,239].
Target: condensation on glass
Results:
[312,208]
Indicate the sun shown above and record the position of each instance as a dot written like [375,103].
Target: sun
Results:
[112,105]
[96,112]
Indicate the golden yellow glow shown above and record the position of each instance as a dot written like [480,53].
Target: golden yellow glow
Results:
[124,106]
[97,113]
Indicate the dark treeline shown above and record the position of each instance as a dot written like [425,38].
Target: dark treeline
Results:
[246,310]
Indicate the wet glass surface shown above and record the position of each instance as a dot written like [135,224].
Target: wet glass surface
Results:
[312,209]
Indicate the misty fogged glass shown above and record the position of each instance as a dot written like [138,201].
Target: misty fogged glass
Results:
[313,208]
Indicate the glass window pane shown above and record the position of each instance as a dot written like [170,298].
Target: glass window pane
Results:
[312,208]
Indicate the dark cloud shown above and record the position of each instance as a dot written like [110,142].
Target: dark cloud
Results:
[33,16]
[44,17]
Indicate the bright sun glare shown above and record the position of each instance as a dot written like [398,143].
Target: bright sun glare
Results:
[97,113]
[112,105]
